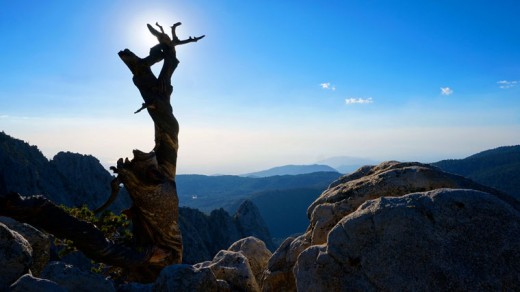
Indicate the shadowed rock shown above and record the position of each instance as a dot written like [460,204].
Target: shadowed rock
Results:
[186,278]
[74,279]
[15,256]
[39,241]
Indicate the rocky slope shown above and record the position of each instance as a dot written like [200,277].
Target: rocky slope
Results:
[70,179]
[391,227]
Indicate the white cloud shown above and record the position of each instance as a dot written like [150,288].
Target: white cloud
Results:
[353,100]
[327,85]
[504,84]
[446,91]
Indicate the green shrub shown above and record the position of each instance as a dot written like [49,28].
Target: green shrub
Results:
[115,227]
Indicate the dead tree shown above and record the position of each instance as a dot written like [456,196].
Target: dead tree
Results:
[149,179]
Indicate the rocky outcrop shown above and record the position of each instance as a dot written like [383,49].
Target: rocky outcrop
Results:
[69,178]
[389,179]
[256,253]
[278,275]
[442,240]
[15,256]
[241,265]
[205,235]
[233,268]
[85,181]
[39,241]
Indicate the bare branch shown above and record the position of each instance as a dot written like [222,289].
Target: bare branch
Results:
[190,40]
[153,31]
[115,190]
[157,24]
[174,33]
[143,106]
[161,36]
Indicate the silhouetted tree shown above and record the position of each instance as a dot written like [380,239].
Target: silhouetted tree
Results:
[149,179]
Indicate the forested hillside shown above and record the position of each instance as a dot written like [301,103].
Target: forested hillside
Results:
[498,168]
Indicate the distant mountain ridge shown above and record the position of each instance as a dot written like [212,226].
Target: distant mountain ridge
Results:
[347,164]
[291,170]
[498,168]
[212,192]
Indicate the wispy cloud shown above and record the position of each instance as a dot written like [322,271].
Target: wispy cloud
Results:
[504,84]
[446,91]
[8,117]
[327,85]
[359,100]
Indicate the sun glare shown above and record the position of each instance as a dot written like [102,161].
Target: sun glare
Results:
[140,38]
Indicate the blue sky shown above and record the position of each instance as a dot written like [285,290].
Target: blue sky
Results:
[273,82]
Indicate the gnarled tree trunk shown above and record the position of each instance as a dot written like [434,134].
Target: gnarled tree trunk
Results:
[148,177]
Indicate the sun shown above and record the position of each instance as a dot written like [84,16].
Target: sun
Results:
[140,38]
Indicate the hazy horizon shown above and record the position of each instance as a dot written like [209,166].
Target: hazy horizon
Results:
[273,82]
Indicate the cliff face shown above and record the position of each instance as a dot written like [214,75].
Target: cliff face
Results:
[24,169]
[204,235]
[69,178]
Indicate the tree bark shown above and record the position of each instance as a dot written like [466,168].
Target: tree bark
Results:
[149,179]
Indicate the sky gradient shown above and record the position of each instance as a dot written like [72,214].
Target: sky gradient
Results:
[273,82]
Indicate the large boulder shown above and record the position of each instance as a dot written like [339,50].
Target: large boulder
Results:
[442,240]
[278,276]
[234,269]
[15,256]
[74,279]
[389,179]
[39,241]
[241,266]
[256,253]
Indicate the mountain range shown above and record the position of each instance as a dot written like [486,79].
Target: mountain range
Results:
[291,170]
[282,200]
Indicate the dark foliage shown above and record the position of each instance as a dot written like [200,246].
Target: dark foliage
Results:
[498,168]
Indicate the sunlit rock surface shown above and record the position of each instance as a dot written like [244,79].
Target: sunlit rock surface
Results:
[443,240]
